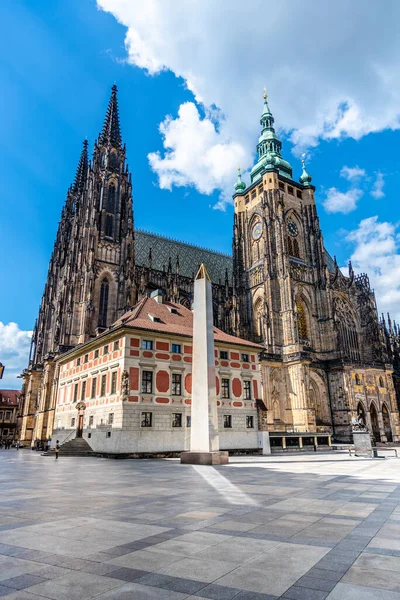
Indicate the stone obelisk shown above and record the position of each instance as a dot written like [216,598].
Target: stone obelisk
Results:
[204,440]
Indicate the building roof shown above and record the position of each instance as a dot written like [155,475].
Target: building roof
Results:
[330,263]
[178,322]
[190,257]
[10,397]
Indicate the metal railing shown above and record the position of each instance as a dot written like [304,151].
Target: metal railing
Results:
[69,437]
[352,451]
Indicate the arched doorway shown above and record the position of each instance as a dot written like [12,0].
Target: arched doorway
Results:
[275,411]
[81,406]
[318,401]
[386,423]
[361,414]
[375,423]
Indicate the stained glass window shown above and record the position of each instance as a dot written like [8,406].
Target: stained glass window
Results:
[103,303]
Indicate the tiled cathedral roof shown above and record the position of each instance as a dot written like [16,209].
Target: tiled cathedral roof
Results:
[330,263]
[190,257]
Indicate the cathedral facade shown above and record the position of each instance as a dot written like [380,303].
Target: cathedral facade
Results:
[327,358]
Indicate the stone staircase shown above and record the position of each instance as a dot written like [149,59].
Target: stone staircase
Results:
[75,447]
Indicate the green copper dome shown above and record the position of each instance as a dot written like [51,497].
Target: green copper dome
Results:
[269,148]
[240,185]
[305,178]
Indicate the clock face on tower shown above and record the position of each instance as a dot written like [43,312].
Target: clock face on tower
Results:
[292,228]
[257,231]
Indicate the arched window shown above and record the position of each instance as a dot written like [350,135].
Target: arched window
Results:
[259,319]
[302,327]
[347,331]
[110,211]
[381,383]
[293,247]
[111,199]
[386,423]
[103,306]
[113,161]
[109,225]
[358,379]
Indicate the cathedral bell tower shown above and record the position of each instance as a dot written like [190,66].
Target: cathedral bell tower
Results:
[280,276]
[90,277]
[111,253]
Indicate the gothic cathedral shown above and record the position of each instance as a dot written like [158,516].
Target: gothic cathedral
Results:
[327,357]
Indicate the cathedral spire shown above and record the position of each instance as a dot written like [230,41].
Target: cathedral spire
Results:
[111,130]
[269,147]
[81,171]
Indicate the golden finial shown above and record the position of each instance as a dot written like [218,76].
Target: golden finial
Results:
[239,169]
[303,158]
[265,93]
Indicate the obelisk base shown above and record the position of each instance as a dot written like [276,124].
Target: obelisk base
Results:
[362,443]
[205,458]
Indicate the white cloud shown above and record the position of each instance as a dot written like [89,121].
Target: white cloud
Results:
[341,81]
[377,189]
[14,354]
[195,154]
[341,202]
[376,251]
[352,173]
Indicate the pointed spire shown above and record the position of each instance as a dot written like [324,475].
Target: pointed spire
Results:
[266,109]
[111,130]
[351,271]
[81,172]
[269,147]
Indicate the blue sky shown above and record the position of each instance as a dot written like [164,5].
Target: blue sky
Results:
[199,72]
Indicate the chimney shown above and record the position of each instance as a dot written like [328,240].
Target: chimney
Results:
[157,295]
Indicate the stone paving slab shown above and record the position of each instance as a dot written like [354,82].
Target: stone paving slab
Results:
[301,527]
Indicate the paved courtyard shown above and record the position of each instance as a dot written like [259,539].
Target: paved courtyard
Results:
[302,527]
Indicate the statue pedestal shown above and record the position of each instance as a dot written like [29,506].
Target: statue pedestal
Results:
[205,458]
[362,443]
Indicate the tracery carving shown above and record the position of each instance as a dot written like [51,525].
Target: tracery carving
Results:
[347,336]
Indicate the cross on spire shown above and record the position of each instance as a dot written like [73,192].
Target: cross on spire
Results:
[111,130]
